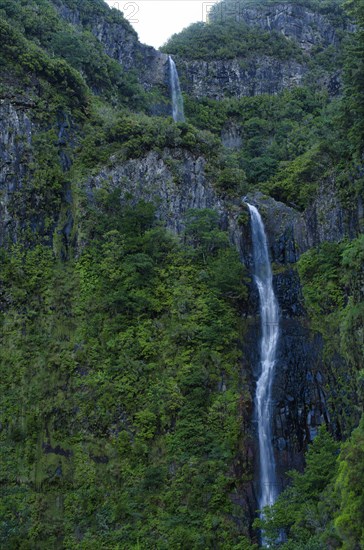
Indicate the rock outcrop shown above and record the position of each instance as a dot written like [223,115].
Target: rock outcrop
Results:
[306,27]
[260,74]
[120,42]
[175,181]
[16,132]
[217,79]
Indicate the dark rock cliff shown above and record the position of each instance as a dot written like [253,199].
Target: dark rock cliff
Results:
[259,74]
[217,79]
[121,43]
[176,181]
[16,132]
[306,27]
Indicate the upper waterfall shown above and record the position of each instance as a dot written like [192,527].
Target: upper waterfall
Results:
[177,99]
[270,332]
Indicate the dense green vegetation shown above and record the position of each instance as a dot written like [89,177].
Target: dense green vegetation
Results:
[330,487]
[36,41]
[285,138]
[123,385]
[354,102]
[125,415]
[227,41]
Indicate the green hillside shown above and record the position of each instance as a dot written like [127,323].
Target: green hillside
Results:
[127,395]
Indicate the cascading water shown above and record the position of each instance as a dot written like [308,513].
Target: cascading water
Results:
[177,99]
[270,333]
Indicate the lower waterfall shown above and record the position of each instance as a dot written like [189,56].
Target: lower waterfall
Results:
[270,332]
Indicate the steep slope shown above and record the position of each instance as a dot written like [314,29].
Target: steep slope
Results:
[119,41]
[129,327]
[252,49]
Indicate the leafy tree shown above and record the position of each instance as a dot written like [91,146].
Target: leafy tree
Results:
[349,484]
[354,78]
[303,509]
[203,233]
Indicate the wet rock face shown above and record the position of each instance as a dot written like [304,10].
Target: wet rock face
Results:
[328,220]
[299,405]
[16,131]
[217,79]
[302,375]
[291,232]
[284,227]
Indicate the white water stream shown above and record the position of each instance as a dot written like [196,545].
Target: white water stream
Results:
[270,332]
[177,99]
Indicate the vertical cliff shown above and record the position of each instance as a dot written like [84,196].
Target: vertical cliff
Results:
[129,318]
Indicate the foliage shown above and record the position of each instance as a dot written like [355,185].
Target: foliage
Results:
[349,484]
[229,40]
[295,181]
[125,396]
[331,276]
[280,136]
[302,510]
[125,410]
[354,79]
[352,321]
[30,59]
[127,135]
[52,46]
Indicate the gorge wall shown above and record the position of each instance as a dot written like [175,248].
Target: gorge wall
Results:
[303,25]
[255,75]
[300,401]
[177,179]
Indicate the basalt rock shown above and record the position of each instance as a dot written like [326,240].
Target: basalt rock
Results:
[16,132]
[217,79]
[291,232]
[307,27]
[173,181]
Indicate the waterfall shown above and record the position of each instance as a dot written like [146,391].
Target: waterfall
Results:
[177,99]
[270,333]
